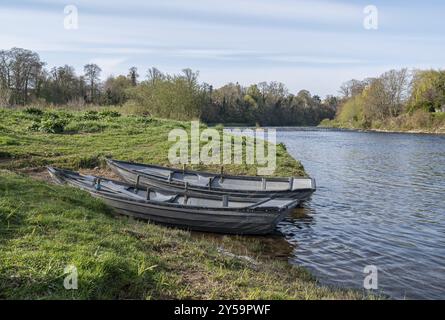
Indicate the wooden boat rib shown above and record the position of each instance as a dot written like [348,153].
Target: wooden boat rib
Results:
[204,183]
[204,213]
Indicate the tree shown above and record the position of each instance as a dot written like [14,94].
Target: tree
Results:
[61,85]
[352,110]
[386,96]
[133,76]
[395,83]
[154,75]
[92,73]
[190,76]
[170,96]
[5,77]
[428,90]
[353,87]
[331,102]
[116,90]
[20,72]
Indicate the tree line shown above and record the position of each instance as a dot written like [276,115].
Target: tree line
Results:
[24,80]
[397,96]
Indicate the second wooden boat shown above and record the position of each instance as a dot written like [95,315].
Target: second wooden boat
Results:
[204,183]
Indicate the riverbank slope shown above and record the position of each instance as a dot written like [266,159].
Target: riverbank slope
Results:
[45,228]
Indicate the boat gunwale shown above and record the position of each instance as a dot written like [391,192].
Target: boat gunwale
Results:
[181,183]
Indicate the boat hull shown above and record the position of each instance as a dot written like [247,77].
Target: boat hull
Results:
[200,220]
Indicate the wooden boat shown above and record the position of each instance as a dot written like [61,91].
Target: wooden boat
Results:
[204,183]
[204,213]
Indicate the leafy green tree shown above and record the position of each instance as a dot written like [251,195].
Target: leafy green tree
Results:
[428,90]
[116,90]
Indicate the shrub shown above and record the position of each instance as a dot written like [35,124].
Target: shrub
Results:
[85,126]
[34,126]
[109,114]
[90,115]
[325,123]
[52,125]
[6,141]
[33,111]
[420,119]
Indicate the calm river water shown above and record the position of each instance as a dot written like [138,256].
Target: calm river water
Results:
[380,201]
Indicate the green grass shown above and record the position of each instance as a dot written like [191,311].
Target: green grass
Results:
[85,142]
[44,227]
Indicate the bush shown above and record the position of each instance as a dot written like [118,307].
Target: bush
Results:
[33,111]
[34,126]
[420,119]
[325,123]
[109,114]
[6,141]
[132,108]
[90,115]
[439,117]
[50,123]
[85,126]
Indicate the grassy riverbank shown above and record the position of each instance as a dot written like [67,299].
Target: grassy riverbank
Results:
[45,227]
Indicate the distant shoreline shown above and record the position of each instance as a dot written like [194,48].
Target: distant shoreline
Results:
[413,131]
[323,128]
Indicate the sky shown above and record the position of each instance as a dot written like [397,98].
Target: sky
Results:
[314,45]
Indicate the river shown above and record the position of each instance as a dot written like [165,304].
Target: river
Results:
[380,201]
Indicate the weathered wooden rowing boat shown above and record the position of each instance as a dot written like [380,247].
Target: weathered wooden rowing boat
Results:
[204,213]
[204,183]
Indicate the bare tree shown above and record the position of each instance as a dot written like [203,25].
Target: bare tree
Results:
[354,87]
[92,73]
[387,95]
[62,85]
[20,71]
[395,83]
[190,76]
[154,75]
[5,77]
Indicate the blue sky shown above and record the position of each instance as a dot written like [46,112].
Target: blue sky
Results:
[315,45]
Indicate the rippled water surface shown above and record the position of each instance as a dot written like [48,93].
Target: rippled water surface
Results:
[380,201]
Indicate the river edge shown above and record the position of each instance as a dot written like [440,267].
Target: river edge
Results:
[417,131]
[339,128]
